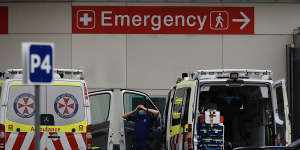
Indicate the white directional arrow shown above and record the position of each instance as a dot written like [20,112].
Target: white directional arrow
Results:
[246,20]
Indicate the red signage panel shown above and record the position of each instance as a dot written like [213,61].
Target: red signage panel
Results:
[162,20]
[3,20]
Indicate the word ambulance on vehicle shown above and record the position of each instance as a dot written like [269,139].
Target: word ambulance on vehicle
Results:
[65,121]
[227,109]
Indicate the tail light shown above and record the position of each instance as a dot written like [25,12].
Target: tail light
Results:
[89,137]
[221,119]
[85,92]
[2,137]
[187,138]
[202,118]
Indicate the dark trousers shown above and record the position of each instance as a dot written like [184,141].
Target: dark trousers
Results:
[140,144]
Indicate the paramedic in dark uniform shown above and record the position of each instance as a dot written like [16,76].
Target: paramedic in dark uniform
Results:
[143,118]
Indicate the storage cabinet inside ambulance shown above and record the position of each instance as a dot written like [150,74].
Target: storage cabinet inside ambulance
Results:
[231,116]
[131,99]
[100,107]
[62,116]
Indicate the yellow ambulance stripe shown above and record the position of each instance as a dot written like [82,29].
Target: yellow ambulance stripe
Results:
[79,127]
[70,84]
[175,130]
[176,115]
[178,101]
[1,82]
[17,84]
[185,83]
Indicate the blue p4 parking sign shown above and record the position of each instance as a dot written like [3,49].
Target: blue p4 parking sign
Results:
[38,62]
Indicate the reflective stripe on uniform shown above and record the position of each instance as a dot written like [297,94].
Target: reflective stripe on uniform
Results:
[79,127]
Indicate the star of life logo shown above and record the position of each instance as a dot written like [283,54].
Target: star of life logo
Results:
[24,105]
[86,19]
[66,105]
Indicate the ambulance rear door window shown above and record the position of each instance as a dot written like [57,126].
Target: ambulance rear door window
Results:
[181,95]
[21,104]
[65,103]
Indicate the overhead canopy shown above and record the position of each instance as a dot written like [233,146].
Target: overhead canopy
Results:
[164,1]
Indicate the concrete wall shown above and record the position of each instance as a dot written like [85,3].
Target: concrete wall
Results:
[148,62]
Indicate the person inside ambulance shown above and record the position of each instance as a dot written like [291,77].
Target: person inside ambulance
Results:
[144,118]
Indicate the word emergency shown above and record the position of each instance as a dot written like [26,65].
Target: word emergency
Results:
[156,21]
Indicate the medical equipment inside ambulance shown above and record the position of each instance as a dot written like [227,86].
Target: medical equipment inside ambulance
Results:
[234,116]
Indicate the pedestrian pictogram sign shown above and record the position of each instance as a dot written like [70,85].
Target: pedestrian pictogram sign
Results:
[219,20]
[162,20]
[38,62]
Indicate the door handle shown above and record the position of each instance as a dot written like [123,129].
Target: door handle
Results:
[53,136]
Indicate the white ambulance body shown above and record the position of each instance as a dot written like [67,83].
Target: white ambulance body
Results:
[64,112]
[251,111]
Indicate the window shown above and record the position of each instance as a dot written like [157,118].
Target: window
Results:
[20,107]
[132,100]
[65,103]
[159,102]
[280,104]
[180,106]
[100,105]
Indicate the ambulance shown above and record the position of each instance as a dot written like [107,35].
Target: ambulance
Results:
[227,109]
[109,130]
[65,121]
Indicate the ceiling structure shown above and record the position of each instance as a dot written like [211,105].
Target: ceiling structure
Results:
[163,1]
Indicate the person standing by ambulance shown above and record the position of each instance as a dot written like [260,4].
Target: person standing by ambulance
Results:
[143,118]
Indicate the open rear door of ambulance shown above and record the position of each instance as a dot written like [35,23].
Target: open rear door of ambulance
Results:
[100,107]
[182,121]
[167,118]
[131,99]
[283,126]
